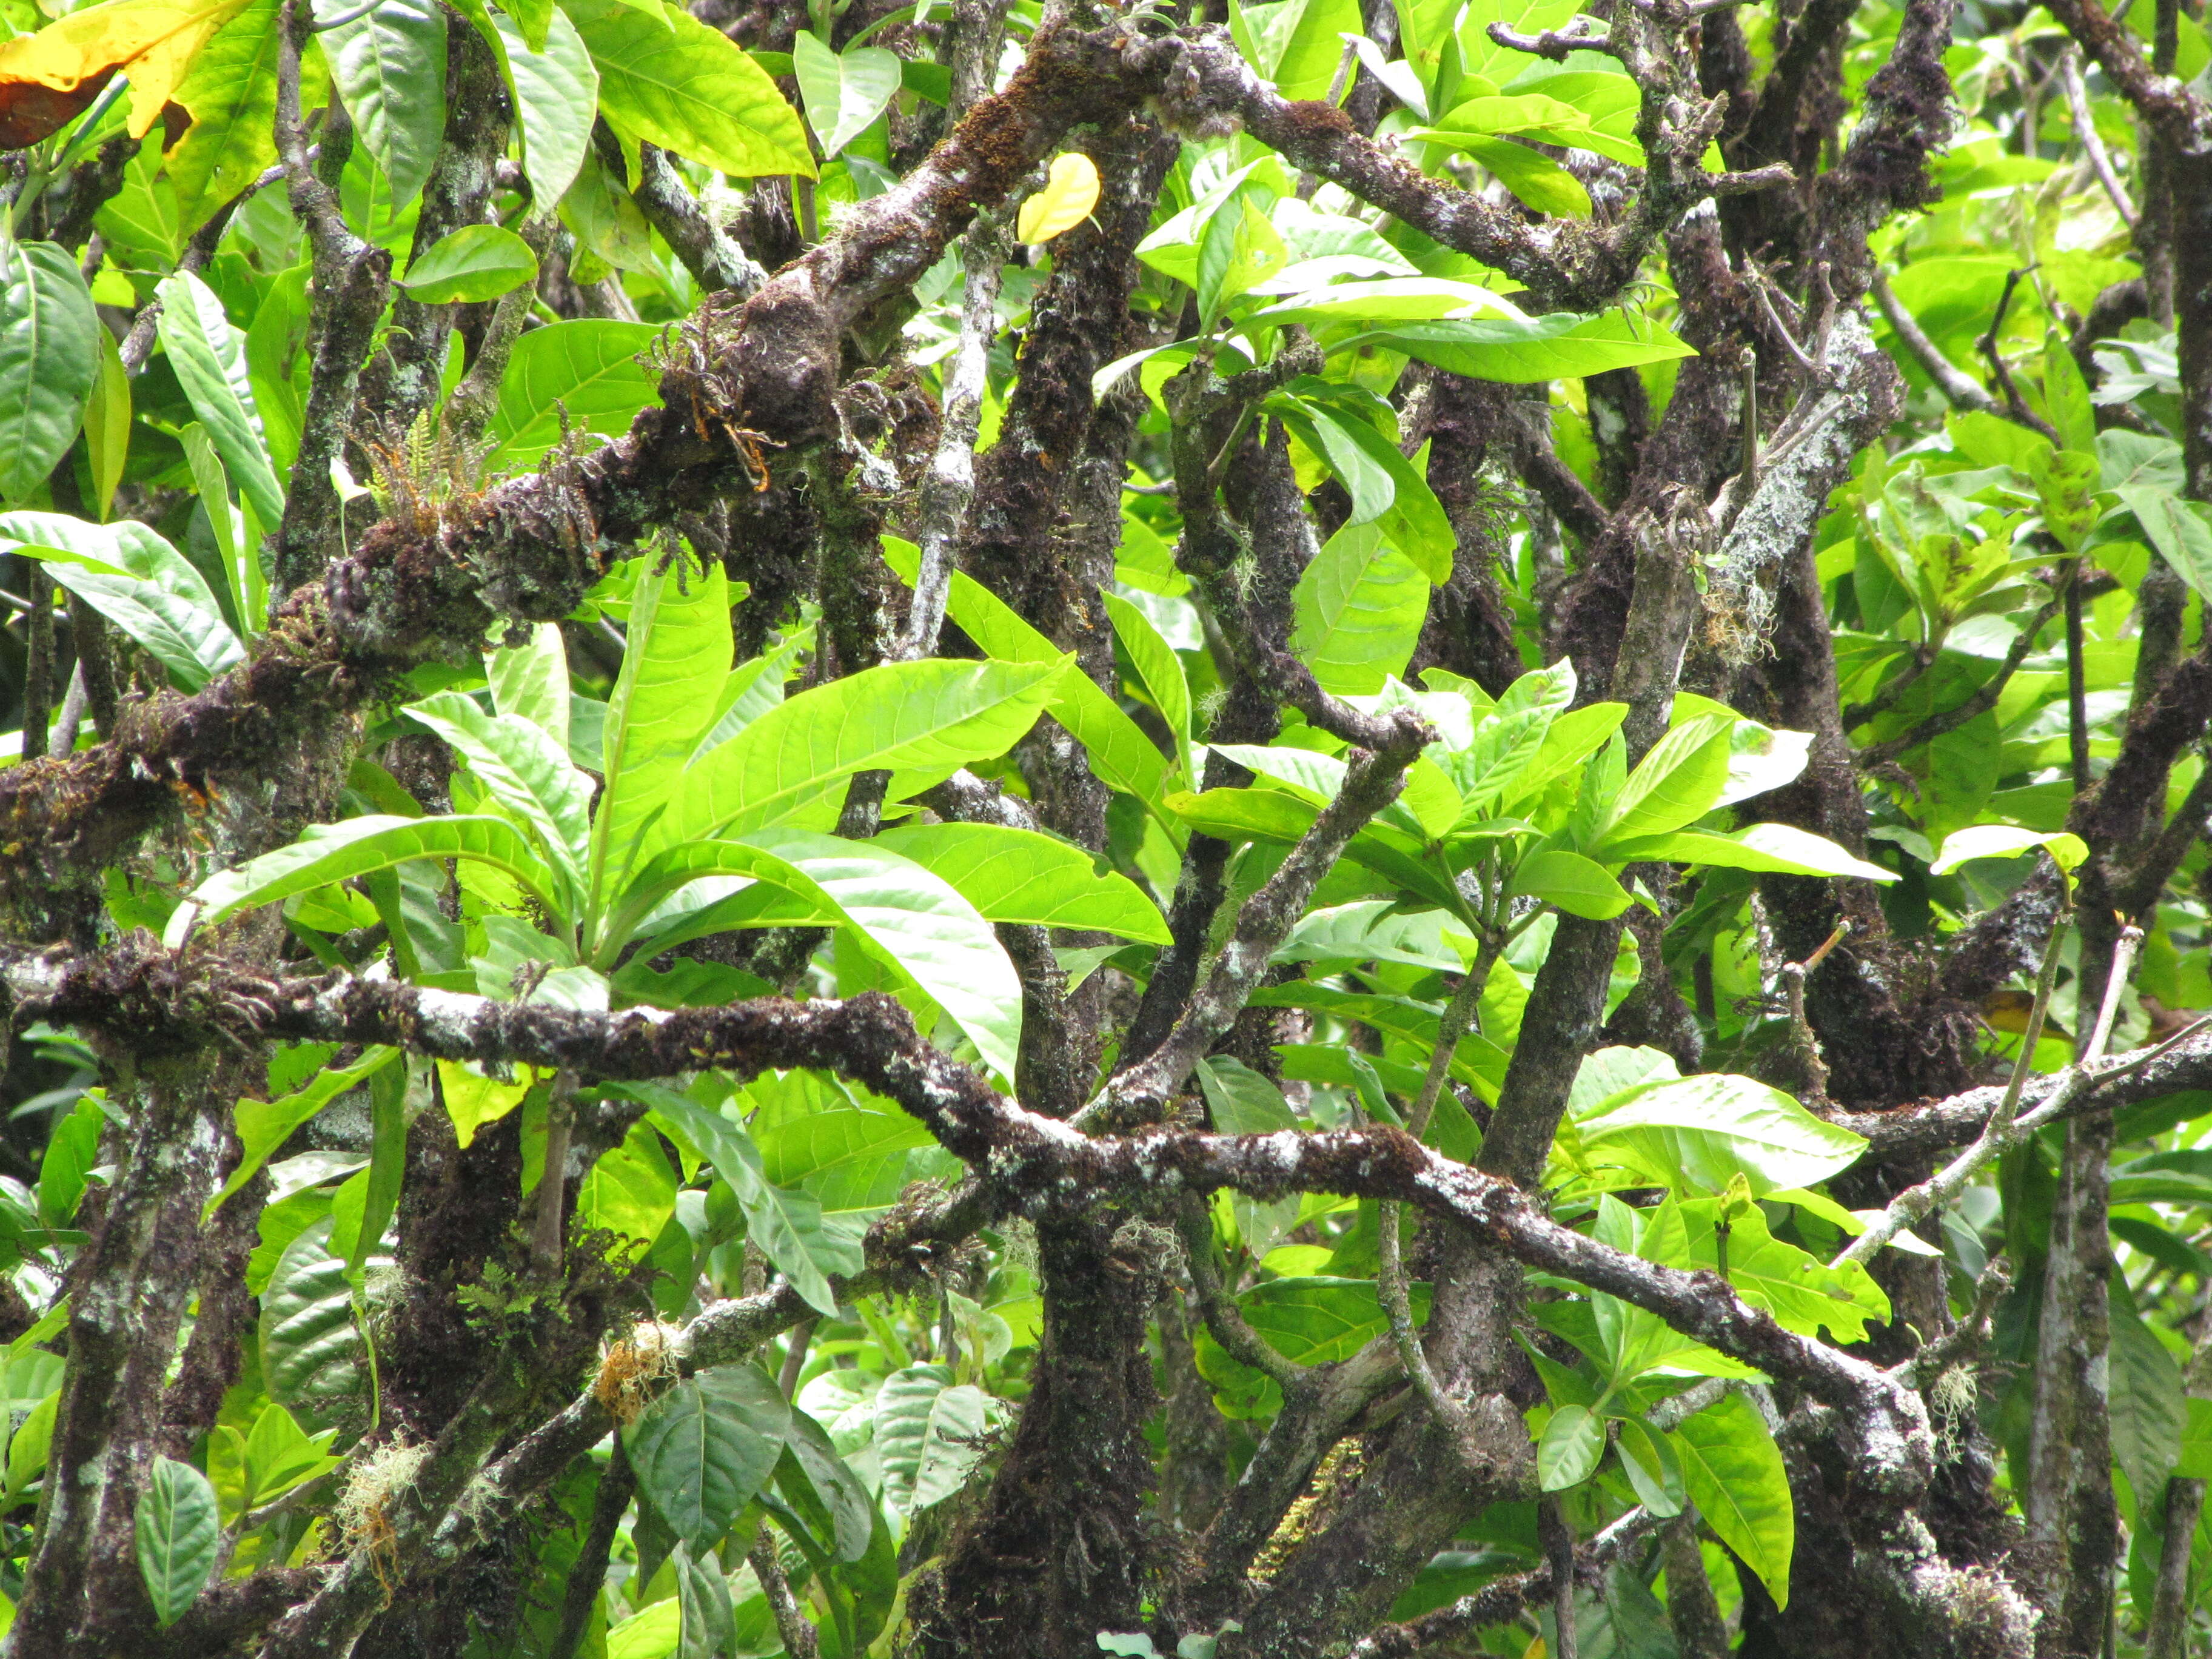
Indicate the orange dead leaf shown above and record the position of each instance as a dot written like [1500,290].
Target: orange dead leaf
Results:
[46,79]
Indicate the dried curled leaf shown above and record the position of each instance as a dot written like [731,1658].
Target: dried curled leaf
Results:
[1070,191]
[49,78]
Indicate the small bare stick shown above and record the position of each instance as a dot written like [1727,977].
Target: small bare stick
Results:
[545,1236]
[1793,975]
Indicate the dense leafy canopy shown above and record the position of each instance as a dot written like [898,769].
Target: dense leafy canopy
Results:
[1254,829]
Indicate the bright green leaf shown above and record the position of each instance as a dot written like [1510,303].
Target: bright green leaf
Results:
[1568,1451]
[586,370]
[1577,885]
[1360,607]
[338,852]
[688,88]
[1019,876]
[844,91]
[1733,1472]
[137,582]
[475,263]
[208,356]
[792,762]
[2001,841]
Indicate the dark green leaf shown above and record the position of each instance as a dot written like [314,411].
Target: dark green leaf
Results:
[48,360]
[389,64]
[177,1535]
[786,1225]
[929,1434]
[1544,349]
[704,1449]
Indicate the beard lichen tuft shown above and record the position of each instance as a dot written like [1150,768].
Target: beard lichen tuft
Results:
[635,1370]
[362,1515]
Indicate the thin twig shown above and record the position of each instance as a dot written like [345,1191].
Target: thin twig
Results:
[1748,362]
[138,344]
[800,1639]
[2039,1010]
[1451,1026]
[1397,1306]
[1824,312]
[71,717]
[1814,1068]
[1224,1319]
[1391,1278]
[2014,408]
[2085,129]
[1557,1535]
[2004,1130]
[1760,286]
[2123,961]
[1924,657]
[39,662]
[2077,692]
[1953,382]
[1964,1340]
[1986,697]
[795,1357]
[546,1231]
[588,1575]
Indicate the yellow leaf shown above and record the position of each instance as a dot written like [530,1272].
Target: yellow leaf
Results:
[473,1100]
[150,41]
[1070,191]
[2008,1011]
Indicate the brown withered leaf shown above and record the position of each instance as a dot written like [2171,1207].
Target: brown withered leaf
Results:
[48,78]
[30,111]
